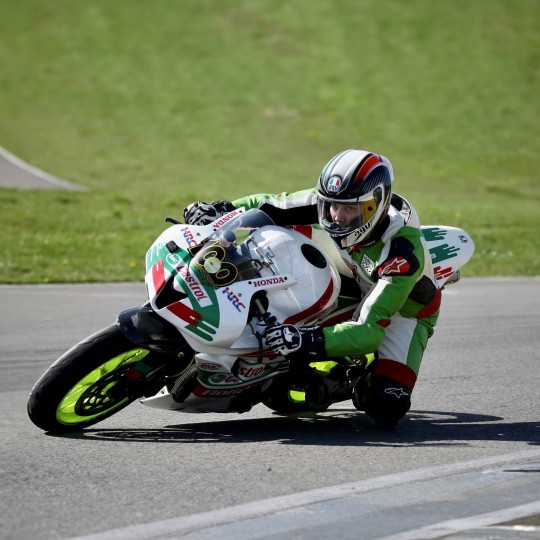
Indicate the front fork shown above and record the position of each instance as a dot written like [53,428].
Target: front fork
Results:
[146,329]
[170,355]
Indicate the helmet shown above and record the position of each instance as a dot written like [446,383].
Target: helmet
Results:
[353,195]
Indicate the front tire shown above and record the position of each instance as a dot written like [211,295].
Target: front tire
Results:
[93,380]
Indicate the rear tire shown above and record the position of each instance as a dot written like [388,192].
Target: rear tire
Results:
[284,398]
[89,383]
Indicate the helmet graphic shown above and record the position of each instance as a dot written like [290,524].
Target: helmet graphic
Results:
[353,195]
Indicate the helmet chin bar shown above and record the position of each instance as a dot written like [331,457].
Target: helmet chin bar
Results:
[349,240]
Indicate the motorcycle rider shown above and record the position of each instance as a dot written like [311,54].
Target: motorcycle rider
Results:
[379,238]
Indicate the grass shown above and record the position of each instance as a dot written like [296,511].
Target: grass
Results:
[151,105]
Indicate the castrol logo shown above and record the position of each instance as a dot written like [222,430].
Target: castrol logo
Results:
[195,287]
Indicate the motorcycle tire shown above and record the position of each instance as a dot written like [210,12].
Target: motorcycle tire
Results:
[90,382]
[284,399]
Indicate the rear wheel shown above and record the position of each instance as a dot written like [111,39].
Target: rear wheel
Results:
[327,382]
[93,380]
[286,397]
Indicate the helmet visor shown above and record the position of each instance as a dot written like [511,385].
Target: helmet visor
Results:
[342,217]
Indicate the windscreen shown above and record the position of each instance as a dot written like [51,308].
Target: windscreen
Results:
[225,257]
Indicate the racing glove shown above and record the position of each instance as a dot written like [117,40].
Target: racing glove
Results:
[305,342]
[201,213]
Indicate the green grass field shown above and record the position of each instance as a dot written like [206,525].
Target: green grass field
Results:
[153,104]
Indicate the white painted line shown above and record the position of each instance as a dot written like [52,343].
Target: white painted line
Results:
[453,526]
[38,173]
[195,522]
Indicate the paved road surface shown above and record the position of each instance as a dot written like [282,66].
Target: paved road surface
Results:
[466,458]
[16,173]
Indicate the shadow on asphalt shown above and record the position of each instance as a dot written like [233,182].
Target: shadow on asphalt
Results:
[341,427]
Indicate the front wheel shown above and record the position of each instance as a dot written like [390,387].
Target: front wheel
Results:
[93,380]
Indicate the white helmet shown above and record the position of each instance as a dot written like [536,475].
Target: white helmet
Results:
[353,195]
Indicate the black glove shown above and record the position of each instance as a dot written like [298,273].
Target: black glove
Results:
[201,213]
[305,342]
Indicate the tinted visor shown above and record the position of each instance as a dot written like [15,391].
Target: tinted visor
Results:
[342,217]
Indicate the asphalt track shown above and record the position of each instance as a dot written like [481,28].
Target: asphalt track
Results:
[16,173]
[463,464]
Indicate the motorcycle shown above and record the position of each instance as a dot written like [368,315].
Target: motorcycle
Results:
[196,343]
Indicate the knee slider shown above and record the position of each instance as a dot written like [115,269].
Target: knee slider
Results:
[387,401]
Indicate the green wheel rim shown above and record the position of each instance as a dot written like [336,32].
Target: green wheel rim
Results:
[323,368]
[95,391]
[296,396]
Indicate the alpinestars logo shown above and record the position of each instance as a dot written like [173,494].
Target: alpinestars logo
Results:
[288,336]
[398,392]
[394,267]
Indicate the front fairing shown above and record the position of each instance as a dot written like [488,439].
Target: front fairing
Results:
[198,278]
[203,280]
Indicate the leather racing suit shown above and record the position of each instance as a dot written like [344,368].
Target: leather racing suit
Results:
[397,302]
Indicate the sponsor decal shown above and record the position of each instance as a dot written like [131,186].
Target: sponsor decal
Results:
[268,281]
[398,392]
[233,299]
[226,218]
[158,275]
[209,392]
[212,265]
[190,239]
[443,252]
[334,184]
[433,233]
[227,274]
[217,271]
[223,378]
[197,326]
[227,384]
[250,372]
[367,226]
[463,239]
[195,287]
[209,366]
[185,313]
[367,265]
[395,266]
[441,273]
[174,260]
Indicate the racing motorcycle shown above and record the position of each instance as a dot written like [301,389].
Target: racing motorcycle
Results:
[196,343]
